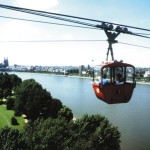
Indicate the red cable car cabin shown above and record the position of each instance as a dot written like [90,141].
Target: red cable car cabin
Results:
[120,85]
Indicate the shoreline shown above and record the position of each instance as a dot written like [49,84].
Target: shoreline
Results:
[82,77]
[145,83]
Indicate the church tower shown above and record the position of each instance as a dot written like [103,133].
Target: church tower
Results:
[6,64]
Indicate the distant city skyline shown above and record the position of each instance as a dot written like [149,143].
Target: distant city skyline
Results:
[42,43]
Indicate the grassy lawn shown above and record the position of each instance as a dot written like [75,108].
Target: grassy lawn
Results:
[5,118]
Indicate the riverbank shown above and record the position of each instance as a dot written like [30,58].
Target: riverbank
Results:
[82,77]
[142,82]
[71,76]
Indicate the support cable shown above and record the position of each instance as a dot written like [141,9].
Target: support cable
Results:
[46,22]
[69,16]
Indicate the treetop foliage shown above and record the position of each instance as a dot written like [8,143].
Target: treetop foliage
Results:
[8,82]
[34,101]
[66,113]
[87,133]
[12,139]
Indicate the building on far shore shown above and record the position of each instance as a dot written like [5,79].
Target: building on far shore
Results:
[4,64]
[147,74]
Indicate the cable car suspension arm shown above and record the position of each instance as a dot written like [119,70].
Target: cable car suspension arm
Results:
[111,40]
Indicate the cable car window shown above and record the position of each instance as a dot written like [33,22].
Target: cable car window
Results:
[130,74]
[119,75]
[97,73]
[107,72]
[115,74]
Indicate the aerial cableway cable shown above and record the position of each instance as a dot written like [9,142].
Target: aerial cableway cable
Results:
[69,16]
[20,41]
[51,41]
[57,16]
[88,25]
[134,45]
[46,22]
[84,24]
[35,12]
[37,21]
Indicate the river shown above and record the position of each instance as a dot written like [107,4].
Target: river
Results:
[132,119]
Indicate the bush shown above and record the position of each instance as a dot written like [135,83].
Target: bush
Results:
[1,102]
[14,121]
[17,113]
[10,103]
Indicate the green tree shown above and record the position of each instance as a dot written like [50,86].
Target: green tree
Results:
[34,101]
[66,113]
[7,83]
[54,107]
[7,92]
[1,96]
[88,133]
[1,80]
[1,93]
[15,80]
[11,139]
[46,134]
[10,103]
[95,132]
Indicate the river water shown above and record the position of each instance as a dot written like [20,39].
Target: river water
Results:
[132,119]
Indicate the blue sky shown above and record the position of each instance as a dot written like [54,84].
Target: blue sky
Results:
[128,12]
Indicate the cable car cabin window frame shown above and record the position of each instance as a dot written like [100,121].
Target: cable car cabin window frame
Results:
[130,75]
[112,70]
[113,73]
[97,74]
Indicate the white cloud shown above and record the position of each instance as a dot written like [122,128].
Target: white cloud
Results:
[67,37]
[38,4]
[17,30]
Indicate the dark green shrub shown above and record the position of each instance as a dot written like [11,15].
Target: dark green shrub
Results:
[14,121]
[10,103]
